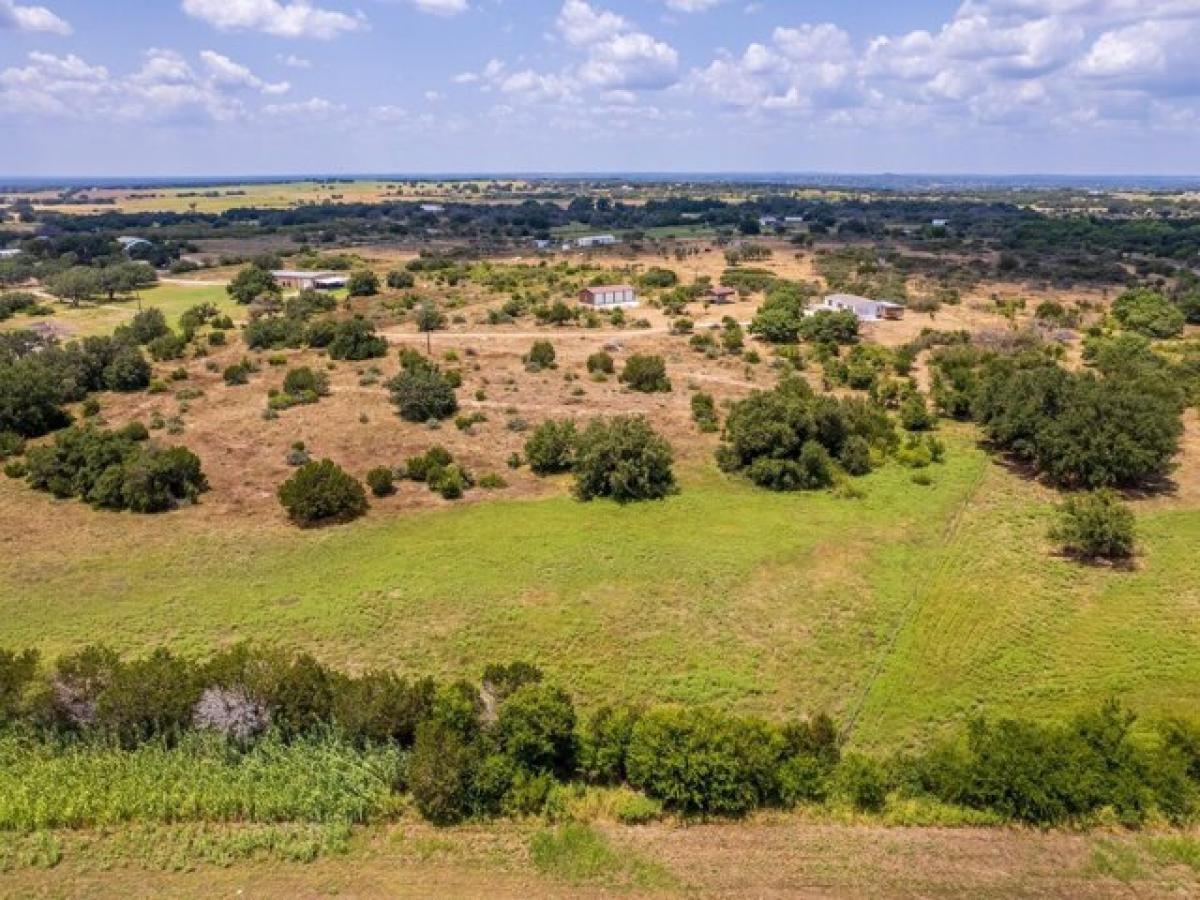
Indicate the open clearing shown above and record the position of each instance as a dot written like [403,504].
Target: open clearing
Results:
[923,605]
[173,298]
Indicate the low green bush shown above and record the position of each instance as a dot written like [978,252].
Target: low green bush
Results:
[322,493]
[1095,526]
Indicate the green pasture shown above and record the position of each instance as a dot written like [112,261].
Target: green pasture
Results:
[103,316]
[903,612]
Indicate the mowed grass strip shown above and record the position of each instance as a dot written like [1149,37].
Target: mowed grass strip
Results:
[1004,624]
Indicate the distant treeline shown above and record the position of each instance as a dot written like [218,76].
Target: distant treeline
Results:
[1035,246]
[513,743]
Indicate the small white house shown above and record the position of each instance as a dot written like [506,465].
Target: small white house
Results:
[940,223]
[432,208]
[865,309]
[596,240]
[9,254]
[610,296]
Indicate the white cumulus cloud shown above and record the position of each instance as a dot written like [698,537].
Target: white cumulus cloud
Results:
[167,86]
[30,18]
[296,19]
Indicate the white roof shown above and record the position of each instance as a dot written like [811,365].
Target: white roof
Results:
[859,304]
[295,273]
[609,288]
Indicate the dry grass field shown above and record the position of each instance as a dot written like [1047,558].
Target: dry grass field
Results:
[765,857]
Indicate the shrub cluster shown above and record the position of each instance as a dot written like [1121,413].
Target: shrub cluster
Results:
[15,302]
[600,363]
[422,392]
[116,469]
[540,356]
[355,339]
[1080,429]
[830,328]
[38,378]
[779,318]
[300,387]
[437,469]
[550,449]
[1149,313]
[646,374]
[704,412]
[322,493]
[621,458]
[302,323]
[1095,526]
[790,438]
[506,745]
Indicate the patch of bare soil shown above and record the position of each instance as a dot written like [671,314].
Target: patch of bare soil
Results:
[245,454]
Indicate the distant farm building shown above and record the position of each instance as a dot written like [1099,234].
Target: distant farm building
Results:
[9,254]
[793,220]
[940,223]
[596,240]
[720,295]
[432,208]
[866,310]
[291,280]
[612,296]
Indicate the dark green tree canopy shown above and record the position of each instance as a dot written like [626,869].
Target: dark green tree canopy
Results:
[624,459]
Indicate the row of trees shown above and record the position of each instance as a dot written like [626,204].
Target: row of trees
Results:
[82,283]
[1115,428]
[504,746]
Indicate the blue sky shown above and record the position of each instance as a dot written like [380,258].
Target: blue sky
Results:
[162,87]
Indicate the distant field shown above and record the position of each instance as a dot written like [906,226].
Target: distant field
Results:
[924,604]
[282,195]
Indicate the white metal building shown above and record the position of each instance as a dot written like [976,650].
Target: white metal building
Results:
[610,296]
[596,240]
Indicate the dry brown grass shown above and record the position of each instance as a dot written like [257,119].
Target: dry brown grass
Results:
[782,858]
